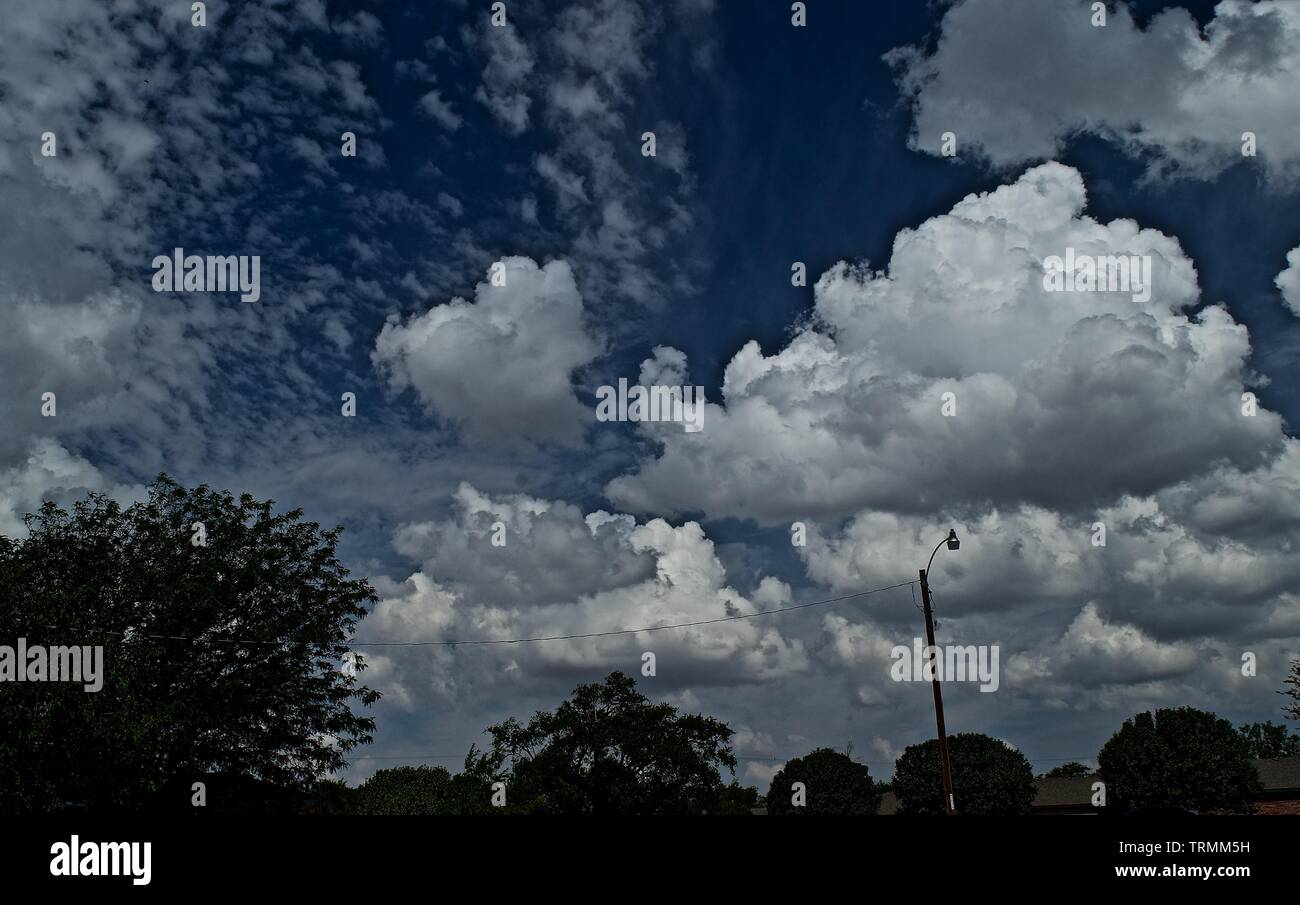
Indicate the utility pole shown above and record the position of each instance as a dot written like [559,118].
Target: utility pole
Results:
[939,697]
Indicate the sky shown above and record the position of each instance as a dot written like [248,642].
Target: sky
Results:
[518,149]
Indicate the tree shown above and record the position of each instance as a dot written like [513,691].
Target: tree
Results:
[332,797]
[736,799]
[166,586]
[406,790]
[833,783]
[609,750]
[1292,710]
[1269,740]
[1178,758]
[988,777]
[1071,770]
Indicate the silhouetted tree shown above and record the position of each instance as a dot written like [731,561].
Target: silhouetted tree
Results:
[433,790]
[988,777]
[1269,740]
[1178,758]
[609,750]
[406,790]
[735,799]
[180,699]
[1292,691]
[833,783]
[1071,770]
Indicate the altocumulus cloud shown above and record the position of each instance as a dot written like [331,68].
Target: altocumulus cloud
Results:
[146,154]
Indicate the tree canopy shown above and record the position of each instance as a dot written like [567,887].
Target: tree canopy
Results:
[988,777]
[1071,770]
[610,750]
[431,791]
[1292,691]
[1269,740]
[223,626]
[833,783]
[1178,758]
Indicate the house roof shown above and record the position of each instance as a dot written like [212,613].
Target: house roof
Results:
[1276,775]
[1279,774]
[1063,791]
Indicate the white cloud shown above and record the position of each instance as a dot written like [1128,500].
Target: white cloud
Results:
[502,366]
[761,773]
[552,553]
[1094,650]
[1097,660]
[506,73]
[50,472]
[1063,399]
[1288,281]
[568,185]
[1209,557]
[585,72]
[441,110]
[604,42]
[563,573]
[147,160]
[363,30]
[1072,409]
[1190,94]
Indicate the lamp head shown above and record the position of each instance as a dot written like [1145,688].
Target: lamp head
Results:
[953,543]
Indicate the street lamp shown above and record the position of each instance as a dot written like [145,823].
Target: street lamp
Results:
[953,544]
[950,540]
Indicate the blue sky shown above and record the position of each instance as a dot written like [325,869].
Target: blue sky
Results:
[775,144]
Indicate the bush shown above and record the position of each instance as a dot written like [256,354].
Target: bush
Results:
[833,782]
[1180,758]
[988,777]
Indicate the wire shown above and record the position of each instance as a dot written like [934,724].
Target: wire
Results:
[573,637]
[633,631]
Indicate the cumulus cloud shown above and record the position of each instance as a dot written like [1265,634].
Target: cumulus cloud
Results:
[1071,408]
[1094,651]
[1200,91]
[561,572]
[52,473]
[500,367]
[1076,413]
[551,553]
[1062,399]
[1288,281]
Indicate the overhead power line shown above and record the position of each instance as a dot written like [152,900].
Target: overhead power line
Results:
[533,640]
[633,631]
